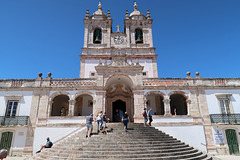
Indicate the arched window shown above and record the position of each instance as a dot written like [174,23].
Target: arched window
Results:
[138,36]
[155,102]
[60,106]
[178,104]
[97,36]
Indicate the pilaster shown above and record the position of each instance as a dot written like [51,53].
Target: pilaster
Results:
[138,105]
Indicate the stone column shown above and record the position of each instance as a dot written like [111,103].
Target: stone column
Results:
[188,107]
[71,108]
[138,105]
[50,108]
[167,108]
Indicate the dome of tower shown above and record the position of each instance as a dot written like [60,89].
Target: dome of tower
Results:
[136,12]
[99,14]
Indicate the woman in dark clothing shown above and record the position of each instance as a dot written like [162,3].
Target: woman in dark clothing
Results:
[125,120]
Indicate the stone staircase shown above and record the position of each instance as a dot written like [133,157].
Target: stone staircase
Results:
[138,142]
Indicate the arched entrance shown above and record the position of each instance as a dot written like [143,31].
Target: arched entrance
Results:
[119,97]
[119,108]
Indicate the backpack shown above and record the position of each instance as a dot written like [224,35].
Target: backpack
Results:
[144,113]
[104,117]
[50,144]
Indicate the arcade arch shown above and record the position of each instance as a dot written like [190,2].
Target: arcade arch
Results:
[155,101]
[178,104]
[60,105]
[83,105]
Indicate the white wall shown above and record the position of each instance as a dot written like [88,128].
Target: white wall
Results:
[55,134]
[212,100]
[19,138]
[24,105]
[192,135]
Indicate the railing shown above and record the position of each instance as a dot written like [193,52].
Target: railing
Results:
[165,82]
[73,82]
[14,120]
[225,118]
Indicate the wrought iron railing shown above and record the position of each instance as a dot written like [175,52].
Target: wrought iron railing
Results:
[225,118]
[14,120]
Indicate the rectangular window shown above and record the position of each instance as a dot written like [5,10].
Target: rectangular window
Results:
[224,104]
[144,73]
[11,108]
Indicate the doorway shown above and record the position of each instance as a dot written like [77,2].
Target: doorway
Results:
[6,141]
[232,141]
[119,108]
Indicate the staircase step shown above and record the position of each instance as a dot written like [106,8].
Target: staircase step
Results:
[137,143]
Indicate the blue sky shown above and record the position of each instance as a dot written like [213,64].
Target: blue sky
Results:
[189,35]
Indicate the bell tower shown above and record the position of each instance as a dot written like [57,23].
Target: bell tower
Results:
[139,29]
[101,44]
[97,29]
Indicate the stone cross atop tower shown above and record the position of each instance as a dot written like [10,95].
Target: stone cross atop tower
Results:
[118,28]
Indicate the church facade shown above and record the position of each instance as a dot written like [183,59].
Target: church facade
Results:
[118,73]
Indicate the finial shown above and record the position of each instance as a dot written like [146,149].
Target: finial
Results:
[99,6]
[135,6]
[100,62]
[40,74]
[148,14]
[87,14]
[127,16]
[49,74]
[118,28]
[108,14]
[137,63]
[188,74]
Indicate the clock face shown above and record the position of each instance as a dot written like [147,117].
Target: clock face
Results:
[118,39]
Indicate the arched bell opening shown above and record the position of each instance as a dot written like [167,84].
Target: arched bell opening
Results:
[138,36]
[97,36]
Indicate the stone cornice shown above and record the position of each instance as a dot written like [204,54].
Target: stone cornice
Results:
[82,57]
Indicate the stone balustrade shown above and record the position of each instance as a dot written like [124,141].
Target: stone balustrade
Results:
[202,82]
[49,82]
[72,82]
[165,82]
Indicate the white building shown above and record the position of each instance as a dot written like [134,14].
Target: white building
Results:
[119,72]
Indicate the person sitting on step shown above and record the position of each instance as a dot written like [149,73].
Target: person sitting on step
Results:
[48,145]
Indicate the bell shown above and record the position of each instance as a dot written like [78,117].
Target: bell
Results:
[97,36]
[138,36]
[139,40]
[97,40]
